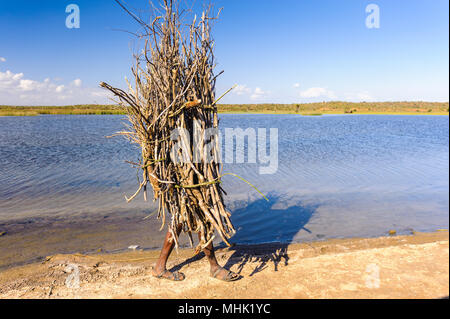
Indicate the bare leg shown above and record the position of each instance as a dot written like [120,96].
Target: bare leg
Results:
[160,270]
[216,270]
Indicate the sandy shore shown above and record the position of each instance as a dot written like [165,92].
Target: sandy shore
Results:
[389,267]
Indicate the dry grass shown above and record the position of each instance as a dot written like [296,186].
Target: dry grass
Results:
[59,110]
[340,108]
[413,108]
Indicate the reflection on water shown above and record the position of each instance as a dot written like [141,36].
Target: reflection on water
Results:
[339,176]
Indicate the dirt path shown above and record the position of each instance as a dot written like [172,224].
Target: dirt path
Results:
[395,267]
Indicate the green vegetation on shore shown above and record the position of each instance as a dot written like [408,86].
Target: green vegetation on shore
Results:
[317,109]
[61,110]
[311,109]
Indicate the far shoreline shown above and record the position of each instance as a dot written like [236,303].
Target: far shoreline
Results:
[311,109]
[254,113]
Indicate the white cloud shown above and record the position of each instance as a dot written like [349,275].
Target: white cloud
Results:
[252,94]
[77,83]
[101,93]
[27,85]
[317,92]
[15,89]
[2,59]
[359,97]
[320,93]
[241,90]
[258,94]
[9,76]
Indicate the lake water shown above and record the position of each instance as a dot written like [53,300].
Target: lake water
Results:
[338,176]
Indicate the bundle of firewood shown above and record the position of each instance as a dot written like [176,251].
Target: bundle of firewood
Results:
[171,99]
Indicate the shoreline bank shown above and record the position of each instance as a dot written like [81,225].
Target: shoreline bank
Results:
[309,109]
[414,266]
[28,240]
[18,114]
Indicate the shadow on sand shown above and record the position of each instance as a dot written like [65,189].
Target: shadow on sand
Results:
[262,222]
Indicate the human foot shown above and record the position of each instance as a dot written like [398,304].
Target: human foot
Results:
[172,276]
[224,275]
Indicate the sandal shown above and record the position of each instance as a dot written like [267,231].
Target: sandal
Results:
[172,276]
[230,277]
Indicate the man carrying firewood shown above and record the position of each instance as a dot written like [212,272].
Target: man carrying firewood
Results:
[174,91]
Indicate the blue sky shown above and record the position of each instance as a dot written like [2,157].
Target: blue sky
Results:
[287,51]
